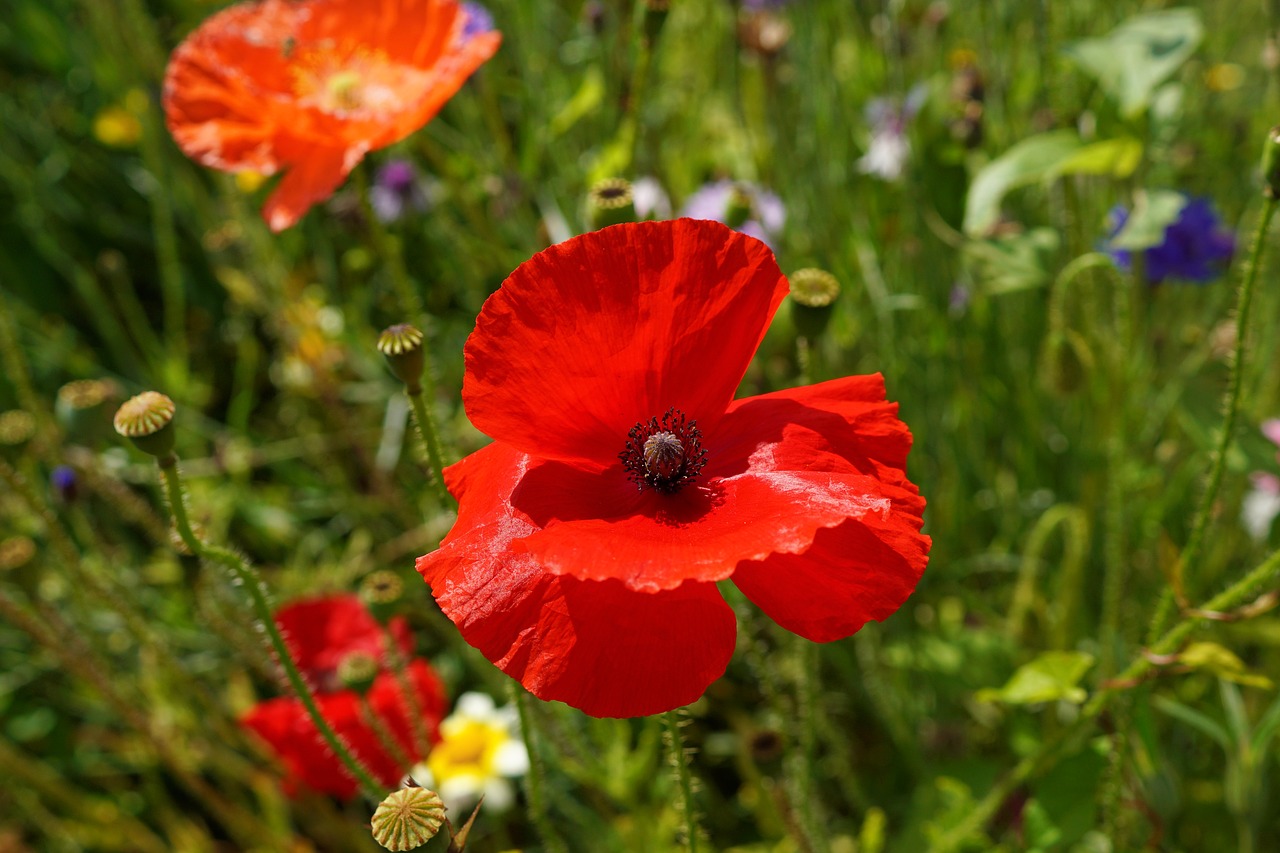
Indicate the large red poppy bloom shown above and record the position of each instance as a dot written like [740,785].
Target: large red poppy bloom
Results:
[320,634]
[313,86]
[284,724]
[624,480]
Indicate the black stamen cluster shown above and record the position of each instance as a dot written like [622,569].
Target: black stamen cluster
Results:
[669,462]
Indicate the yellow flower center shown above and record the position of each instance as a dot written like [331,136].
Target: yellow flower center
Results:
[466,749]
[362,81]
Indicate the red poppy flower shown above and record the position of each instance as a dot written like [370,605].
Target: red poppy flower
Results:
[313,86]
[283,723]
[321,632]
[624,480]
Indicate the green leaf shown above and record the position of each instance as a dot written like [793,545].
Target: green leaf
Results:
[1137,56]
[1015,261]
[1222,662]
[1048,678]
[1152,213]
[584,101]
[1029,161]
[1195,719]
[1116,158]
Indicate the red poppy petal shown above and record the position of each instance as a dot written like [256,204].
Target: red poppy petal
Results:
[825,426]
[595,334]
[861,571]
[387,700]
[655,541]
[307,182]
[598,646]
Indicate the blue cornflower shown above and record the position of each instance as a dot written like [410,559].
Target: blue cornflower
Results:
[1195,248]
[64,482]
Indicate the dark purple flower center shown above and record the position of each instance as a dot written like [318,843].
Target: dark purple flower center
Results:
[665,454]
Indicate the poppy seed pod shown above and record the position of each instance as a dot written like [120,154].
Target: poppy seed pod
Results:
[813,292]
[146,421]
[408,818]
[610,202]
[402,346]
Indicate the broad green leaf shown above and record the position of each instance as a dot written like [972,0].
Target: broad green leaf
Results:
[1015,261]
[1050,677]
[1133,59]
[1117,158]
[1222,662]
[1152,213]
[1025,163]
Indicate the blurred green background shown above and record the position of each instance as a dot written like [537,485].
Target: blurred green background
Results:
[1065,414]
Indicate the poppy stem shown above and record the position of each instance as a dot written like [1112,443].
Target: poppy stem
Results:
[429,434]
[1231,409]
[412,707]
[534,779]
[684,778]
[247,579]
[804,770]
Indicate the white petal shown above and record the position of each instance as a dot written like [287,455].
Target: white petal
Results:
[476,706]
[511,759]
[1258,511]
[498,795]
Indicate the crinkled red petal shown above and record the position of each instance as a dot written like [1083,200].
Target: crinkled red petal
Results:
[611,328]
[596,645]
[860,571]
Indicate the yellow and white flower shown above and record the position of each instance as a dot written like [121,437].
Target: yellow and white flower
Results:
[479,753]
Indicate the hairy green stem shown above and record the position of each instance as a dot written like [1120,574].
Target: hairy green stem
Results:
[804,770]
[684,778]
[251,583]
[1231,413]
[412,707]
[535,779]
[430,437]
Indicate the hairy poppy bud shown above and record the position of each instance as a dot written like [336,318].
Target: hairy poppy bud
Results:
[408,818]
[357,671]
[145,420]
[402,346]
[1066,362]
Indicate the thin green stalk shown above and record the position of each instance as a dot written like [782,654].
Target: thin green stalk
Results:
[1244,590]
[251,583]
[1231,407]
[804,770]
[430,436]
[412,707]
[684,778]
[535,779]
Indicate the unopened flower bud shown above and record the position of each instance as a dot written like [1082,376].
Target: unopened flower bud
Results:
[146,421]
[408,818]
[610,202]
[357,671]
[813,292]
[1271,163]
[402,346]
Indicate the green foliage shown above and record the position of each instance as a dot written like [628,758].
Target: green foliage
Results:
[1064,416]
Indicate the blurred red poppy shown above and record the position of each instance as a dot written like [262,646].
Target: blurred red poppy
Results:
[321,632]
[624,480]
[310,87]
[388,754]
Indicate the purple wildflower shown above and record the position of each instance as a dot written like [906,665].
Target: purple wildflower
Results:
[1195,248]
[765,217]
[397,190]
[478,20]
[889,150]
[63,480]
